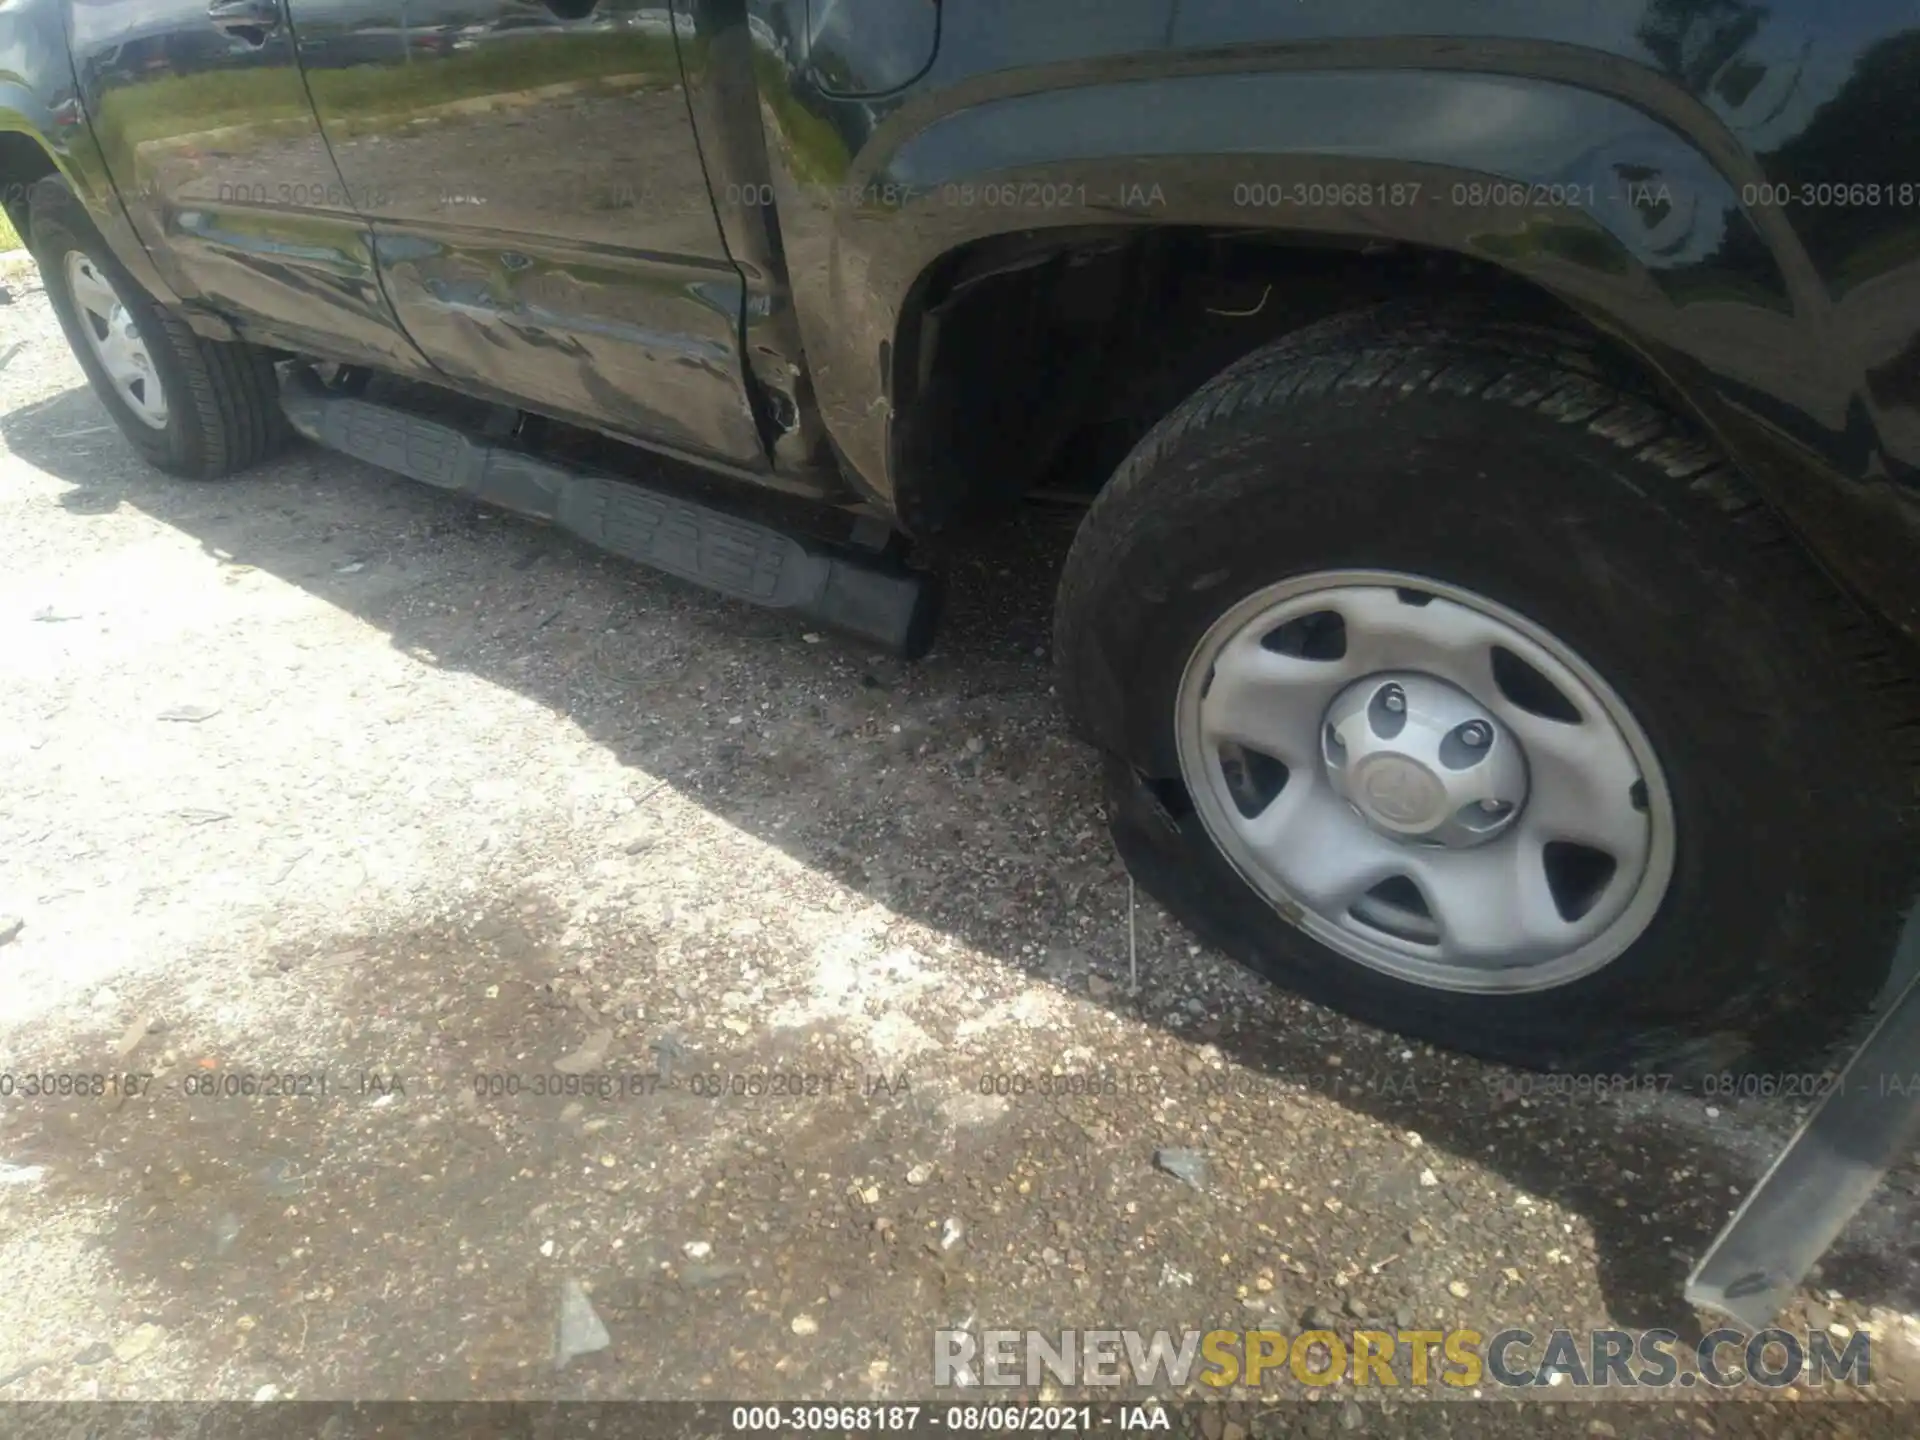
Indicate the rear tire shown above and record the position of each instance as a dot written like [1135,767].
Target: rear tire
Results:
[1508,463]
[196,407]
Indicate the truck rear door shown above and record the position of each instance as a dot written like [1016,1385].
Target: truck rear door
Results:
[542,219]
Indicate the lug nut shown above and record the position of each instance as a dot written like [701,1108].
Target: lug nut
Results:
[1493,807]
[1474,736]
[1395,701]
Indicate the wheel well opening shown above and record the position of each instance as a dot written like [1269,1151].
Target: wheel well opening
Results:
[22,161]
[1032,363]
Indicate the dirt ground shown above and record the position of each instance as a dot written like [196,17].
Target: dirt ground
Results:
[321,775]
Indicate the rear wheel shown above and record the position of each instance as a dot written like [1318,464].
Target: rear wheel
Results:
[194,407]
[1452,682]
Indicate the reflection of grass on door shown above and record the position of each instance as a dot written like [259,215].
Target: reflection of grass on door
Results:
[813,147]
[371,97]
[376,97]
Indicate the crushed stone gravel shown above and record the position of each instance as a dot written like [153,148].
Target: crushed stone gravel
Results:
[519,955]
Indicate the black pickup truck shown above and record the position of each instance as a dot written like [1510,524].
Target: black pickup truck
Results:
[1499,419]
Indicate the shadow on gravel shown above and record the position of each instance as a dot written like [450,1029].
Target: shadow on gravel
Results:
[876,784]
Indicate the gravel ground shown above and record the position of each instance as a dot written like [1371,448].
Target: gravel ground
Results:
[317,770]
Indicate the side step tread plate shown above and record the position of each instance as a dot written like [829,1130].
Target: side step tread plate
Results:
[737,557]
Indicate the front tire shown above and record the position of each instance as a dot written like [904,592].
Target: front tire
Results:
[191,406]
[1413,530]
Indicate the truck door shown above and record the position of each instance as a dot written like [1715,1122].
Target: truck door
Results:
[207,133]
[541,217]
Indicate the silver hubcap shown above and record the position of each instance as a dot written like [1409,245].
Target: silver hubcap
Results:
[1425,781]
[115,341]
[1421,760]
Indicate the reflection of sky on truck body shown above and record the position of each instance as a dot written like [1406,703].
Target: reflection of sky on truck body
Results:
[1765,73]
[461,14]
[893,38]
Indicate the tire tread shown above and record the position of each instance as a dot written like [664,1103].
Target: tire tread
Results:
[232,393]
[1400,351]
[1157,507]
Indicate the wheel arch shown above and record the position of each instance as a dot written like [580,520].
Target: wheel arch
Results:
[24,158]
[39,140]
[1657,249]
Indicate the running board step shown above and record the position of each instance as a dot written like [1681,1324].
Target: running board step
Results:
[890,606]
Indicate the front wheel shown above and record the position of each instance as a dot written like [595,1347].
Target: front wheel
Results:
[1458,687]
[191,406]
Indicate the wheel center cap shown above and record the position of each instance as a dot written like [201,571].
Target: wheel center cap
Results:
[1422,761]
[1399,793]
